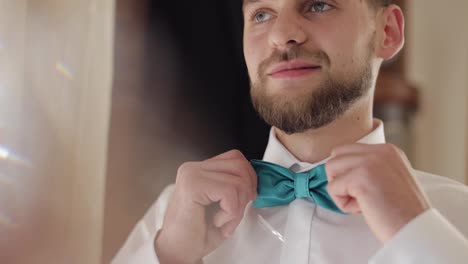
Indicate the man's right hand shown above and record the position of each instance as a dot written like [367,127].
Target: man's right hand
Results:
[206,207]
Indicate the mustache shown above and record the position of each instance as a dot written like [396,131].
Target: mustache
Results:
[316,57]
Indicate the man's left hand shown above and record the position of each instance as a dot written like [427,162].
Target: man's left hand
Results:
[377,181]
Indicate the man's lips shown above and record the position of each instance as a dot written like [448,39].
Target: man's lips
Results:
[292,69]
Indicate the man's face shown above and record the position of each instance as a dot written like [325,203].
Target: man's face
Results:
[308,60]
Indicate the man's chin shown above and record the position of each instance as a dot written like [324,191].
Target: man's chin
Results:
[298,127]
[291,86]
[294,95]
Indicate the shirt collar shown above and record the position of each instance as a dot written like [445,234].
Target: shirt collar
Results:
[277,153]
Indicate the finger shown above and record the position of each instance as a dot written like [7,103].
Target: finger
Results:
[221,218]
[356,183]
[214,239]
[254,177]
[228,229]
[339,189]
[216,216]
[232,154]
[346,204]
[225,193]
[239,167]
[236,154]
[352,206]
[241,186]
[341,165]
[226,212]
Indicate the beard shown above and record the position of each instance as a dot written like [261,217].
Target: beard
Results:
[318,106]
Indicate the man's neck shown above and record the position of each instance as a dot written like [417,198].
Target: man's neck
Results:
[315,145]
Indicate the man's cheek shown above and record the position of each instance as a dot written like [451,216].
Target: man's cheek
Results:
[252,67]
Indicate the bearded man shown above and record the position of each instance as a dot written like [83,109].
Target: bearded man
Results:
[329,189]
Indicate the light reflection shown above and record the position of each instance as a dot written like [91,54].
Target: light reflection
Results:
[64,70]
[270,228]
[4,153]
[8,156]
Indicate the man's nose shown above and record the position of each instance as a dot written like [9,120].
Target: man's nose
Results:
[287,30]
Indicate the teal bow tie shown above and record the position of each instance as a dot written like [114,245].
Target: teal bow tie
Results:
[280,186]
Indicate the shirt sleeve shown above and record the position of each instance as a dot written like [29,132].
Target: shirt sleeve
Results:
[429,238]
[139,247]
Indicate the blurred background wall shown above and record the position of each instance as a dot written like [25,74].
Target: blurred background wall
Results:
[55,84]
[438,64]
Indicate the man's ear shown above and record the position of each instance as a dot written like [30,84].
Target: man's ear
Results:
[392,37]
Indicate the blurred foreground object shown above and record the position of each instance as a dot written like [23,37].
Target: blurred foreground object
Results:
[55,84]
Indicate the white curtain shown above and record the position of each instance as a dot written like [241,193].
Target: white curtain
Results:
[55,87]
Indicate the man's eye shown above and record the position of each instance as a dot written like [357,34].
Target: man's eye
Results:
[261,17]
[319,7]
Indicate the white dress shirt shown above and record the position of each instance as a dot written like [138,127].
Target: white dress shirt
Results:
[304,233]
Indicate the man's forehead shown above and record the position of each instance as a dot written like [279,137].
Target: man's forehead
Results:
[244,2]
[248,2]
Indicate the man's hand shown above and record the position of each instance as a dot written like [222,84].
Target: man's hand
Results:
[375,180]
[206,207]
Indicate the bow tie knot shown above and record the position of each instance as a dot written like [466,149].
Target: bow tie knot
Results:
[301,185]
[280,186]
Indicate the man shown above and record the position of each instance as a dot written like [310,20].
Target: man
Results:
[329,189]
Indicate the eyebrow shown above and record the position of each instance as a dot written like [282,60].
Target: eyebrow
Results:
[249,2]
